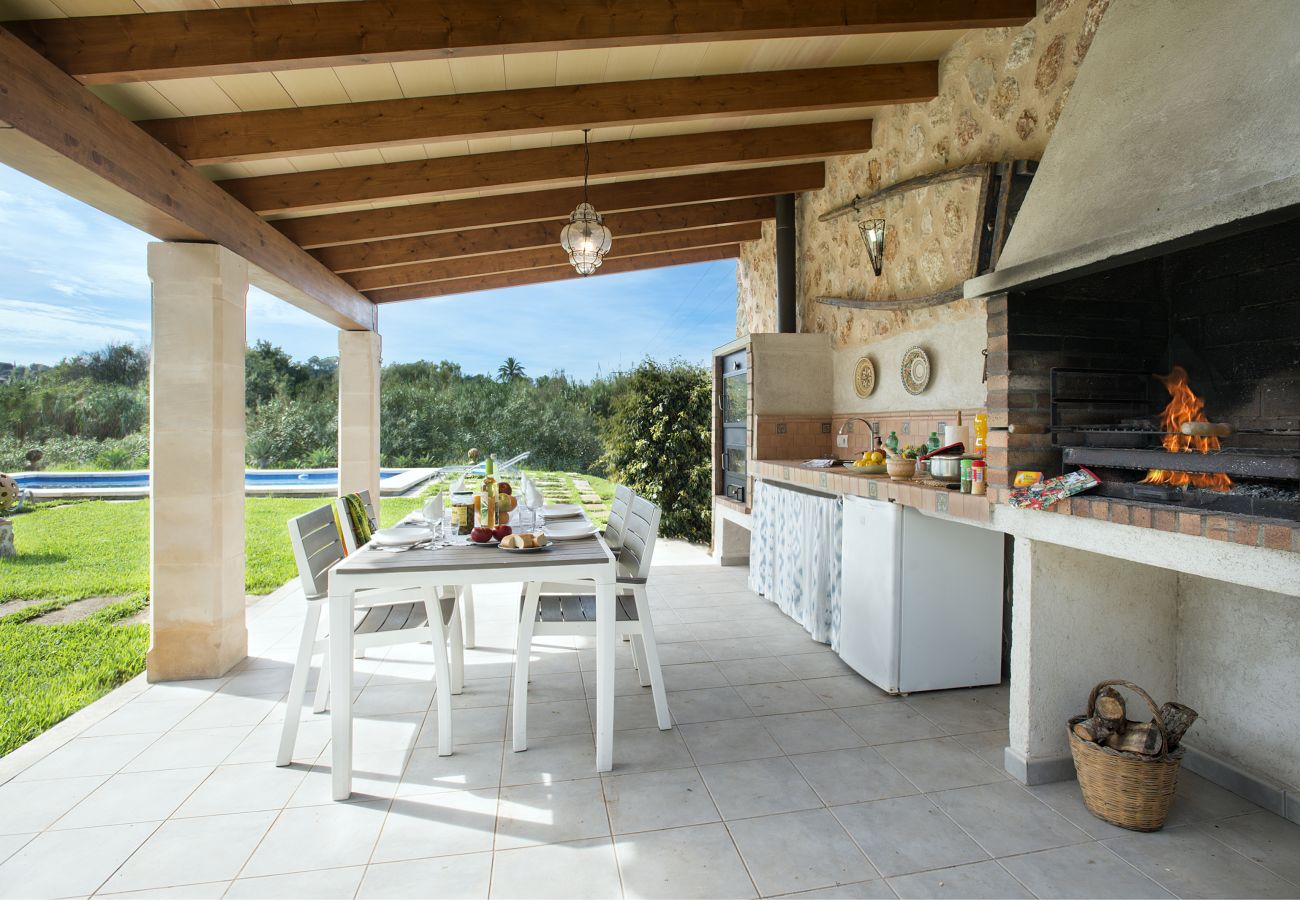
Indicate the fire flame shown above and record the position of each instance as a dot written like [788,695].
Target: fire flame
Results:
[1185,406]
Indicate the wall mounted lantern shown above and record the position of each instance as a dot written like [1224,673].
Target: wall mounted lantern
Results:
[873,235]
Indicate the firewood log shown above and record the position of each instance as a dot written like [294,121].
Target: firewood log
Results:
[1093,729]
[1177,719]
[1140,737]
[1110,709]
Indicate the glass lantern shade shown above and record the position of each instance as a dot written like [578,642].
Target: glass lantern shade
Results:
[873,235]
[586,239]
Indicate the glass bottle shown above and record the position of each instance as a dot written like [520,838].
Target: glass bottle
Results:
[487,515]
[891,442]
[932,442]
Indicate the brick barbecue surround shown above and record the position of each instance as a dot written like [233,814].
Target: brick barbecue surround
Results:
[1228,310]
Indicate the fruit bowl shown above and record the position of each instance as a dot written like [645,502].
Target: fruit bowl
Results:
[866,470]
[900,469]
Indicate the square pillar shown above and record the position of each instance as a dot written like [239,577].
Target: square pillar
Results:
[359,413]
[1079,618]
[196,458]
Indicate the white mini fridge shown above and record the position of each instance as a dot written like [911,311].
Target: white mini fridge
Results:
[921,600]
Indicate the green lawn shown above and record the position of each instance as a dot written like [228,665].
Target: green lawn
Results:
[95,549]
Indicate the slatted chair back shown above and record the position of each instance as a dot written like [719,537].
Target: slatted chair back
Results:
[639,535]
[316,547]
[618,508]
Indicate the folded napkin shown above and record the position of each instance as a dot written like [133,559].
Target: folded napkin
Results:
[533,496]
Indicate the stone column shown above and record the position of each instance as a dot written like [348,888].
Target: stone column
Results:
[359,413]
[1079,618]
[196,453]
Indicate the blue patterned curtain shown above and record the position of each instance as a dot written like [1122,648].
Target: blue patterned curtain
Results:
[794,556]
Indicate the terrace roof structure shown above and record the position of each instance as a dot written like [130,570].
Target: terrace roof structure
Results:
[372,151]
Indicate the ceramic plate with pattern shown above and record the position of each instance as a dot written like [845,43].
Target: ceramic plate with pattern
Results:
[864,377]
[915,370]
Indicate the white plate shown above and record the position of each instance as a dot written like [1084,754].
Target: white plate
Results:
[400,535]
[526,549]
[562,510]
[568,531]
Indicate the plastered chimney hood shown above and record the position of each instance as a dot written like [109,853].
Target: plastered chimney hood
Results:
[1184,117]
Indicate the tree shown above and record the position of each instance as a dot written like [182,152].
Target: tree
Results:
[510,370]
[657,442]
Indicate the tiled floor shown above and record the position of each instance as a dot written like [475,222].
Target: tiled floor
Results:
[786,773]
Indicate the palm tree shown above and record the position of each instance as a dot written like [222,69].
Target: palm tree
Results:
[510,370]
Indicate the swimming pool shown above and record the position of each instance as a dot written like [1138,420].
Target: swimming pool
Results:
[46,485]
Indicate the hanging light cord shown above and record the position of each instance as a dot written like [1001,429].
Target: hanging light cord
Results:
[586,162]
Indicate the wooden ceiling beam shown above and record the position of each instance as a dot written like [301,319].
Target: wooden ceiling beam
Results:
[551,273]
[58,132]
[552,255]
[192,43]
[278,133]
[481,212]
[525,235]
[526,169]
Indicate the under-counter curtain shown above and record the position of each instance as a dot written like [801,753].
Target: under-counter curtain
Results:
[794,556]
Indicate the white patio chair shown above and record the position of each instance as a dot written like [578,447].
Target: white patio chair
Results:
[465,594]
[575,614]
[387,618]
[618,508]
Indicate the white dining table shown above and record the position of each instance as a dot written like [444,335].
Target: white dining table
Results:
[459,566]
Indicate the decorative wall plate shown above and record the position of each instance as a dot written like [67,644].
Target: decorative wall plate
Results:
[864,377]
[915,370]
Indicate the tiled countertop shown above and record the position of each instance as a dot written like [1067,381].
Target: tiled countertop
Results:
[878,487]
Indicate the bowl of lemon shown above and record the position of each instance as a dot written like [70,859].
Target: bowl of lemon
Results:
[872,462]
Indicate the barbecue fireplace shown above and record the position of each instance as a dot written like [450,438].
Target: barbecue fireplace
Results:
[1176,378]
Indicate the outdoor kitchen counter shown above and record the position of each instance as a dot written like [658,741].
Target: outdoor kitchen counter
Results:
[838,480]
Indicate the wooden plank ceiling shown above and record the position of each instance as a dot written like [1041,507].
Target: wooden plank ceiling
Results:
[420,149]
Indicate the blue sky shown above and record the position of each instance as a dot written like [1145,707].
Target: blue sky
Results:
[73,279]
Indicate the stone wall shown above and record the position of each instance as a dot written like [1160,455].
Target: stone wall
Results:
[1001,92]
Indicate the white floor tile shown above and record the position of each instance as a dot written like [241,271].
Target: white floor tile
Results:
[318,837]
[184,749]
[464,877]
[88,756]
[249,787]
[651,800]
[577,870]
[697,861]
[30,806]
[135,797]
[190,851]
[551,813]
[323,884]
[70,863]
[445,824]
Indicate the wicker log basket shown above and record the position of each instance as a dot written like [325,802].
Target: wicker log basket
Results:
[1125,789]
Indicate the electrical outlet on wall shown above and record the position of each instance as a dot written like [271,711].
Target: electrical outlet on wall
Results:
[780,428]
[841,440]
[907,426]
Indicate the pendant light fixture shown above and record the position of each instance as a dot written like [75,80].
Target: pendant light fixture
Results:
[585,238]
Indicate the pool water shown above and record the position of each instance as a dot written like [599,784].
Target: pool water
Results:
[252,479]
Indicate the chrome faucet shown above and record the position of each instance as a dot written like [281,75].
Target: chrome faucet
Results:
[875,436]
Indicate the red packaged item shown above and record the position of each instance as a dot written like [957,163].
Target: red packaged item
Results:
[1045,493]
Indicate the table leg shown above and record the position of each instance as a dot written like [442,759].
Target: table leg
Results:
[340,604]
[523,652]
[605,645]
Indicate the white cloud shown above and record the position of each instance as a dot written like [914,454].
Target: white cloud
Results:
[45,332]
